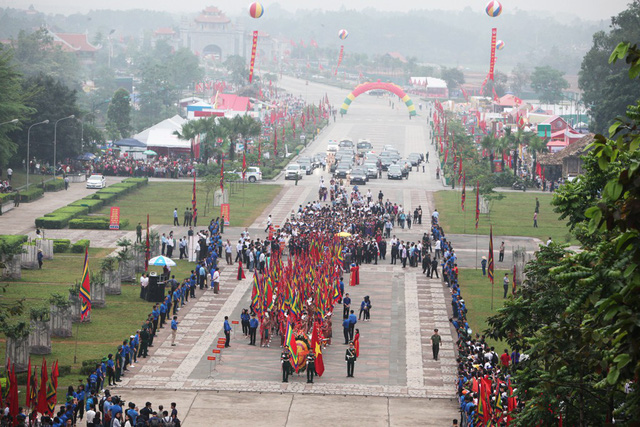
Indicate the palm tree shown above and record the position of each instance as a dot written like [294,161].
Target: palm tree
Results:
[490,143]
[239,127]
[209,130]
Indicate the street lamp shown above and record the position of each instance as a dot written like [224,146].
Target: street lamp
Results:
[9,122]
[28,141]
[55,141]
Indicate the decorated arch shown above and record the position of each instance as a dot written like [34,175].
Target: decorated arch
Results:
[389,87]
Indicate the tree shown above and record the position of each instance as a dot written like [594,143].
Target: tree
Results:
[184,68]
[548,83]
[239,127]
[520,77]
[51,100]
[237,70]
[453,76]
[12,105]
[119,115]
[210,133]
[606,86]
[499,83]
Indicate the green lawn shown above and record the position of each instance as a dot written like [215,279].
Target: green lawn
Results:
[159,198]
[122,316]
[20,178]
[511,216]
[476,292]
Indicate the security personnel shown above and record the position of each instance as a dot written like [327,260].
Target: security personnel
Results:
[156,317]
[118,364]
[144,342]
[350,357]
[253,327]
[311,367]
[346,305]
[285,360]
[163,313]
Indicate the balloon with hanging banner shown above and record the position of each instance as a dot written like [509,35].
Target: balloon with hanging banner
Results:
[256,10]
[494,8]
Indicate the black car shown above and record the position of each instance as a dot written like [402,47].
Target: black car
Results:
[386,162]
[394,172]
[358,177]
[405,165]
[341,171]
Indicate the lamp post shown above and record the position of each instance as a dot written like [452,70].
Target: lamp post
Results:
[28,142]
[9,122]
[55,141]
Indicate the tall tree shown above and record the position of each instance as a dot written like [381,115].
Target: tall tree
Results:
[548,83]
[607,88]
[453,76]
[119,115]
[520,77]
[12,105]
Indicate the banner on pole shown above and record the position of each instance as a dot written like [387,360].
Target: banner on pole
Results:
[339,60]
[492,64]
[225,212]
[253,55]
[114,218]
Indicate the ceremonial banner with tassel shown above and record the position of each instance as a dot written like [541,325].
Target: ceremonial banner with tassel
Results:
[253,55]
[85,288]
[222,174]
[339,60]
[477,203]
[492,63]
[490,271]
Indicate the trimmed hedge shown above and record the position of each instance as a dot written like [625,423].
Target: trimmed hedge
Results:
[61,245]
[91,204]
[54,185]
[79,246]
[55,221]
[138,181]
[94,223]
[5,197]
[106,197]
[12,239]
[33,194]
[76,210]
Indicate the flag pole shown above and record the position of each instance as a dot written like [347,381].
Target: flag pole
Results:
[476,248]
[75,350]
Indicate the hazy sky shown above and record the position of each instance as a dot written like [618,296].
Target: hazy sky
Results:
[586,9]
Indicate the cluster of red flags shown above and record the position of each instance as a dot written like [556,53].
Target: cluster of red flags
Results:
[43,400]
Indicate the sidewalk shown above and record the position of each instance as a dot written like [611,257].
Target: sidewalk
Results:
[21,220]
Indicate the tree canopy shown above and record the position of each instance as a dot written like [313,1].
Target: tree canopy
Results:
[548,83]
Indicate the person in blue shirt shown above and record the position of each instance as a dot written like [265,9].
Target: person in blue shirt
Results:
[227,331]
[353,319]
[115,408]
[346,325]
[202,272]
[125,355]
[174,330]
[245,320]
[80,396]
[176,302]
[133,349]
[253,327]
[111,371]
[346,305]
[163,313]
[133,413]
[341,290]
[156,316]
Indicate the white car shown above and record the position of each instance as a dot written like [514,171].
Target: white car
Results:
[96,181]
[332,147]
[293,171]
[253,174]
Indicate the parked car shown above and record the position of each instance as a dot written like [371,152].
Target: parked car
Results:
[292,171]
[96,181]
[394,172]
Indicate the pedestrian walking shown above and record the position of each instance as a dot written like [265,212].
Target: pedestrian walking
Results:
[535,220]
[174,330]
[505,284]
[483,263]
[139,233]
[40,258]
[175,217]
[501,258]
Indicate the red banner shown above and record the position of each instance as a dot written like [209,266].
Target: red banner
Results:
[339,60]
[225,212]
[114,218]
[253,55]
[492,64]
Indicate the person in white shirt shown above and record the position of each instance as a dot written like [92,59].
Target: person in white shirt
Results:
[90,415]
[144,283]
[215,280]
[269,222]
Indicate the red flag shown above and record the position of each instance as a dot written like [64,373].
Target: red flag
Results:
[275,142]
[490,271]
[147,252]
[492,63]
[253,55]
[313,43]
[194,204]
[222,174]
[464,189]
[244,164]
[13,394]
[317,349]
[28,391]
[477,203]
[41,405]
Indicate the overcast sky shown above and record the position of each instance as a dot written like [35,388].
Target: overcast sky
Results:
[586,9]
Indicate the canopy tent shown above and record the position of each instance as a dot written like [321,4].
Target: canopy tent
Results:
[130,142]
[86,156]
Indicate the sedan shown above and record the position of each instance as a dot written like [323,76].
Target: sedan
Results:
[395,172]
[342,171]
[372,170]
[358,177]
[96,181]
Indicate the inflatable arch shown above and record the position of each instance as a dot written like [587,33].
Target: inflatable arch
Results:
[389,87]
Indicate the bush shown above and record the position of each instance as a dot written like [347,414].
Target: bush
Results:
[91,204]
[5,197]
[31,195]
[61,245]
[74,210]
[79,246]
[55,221]
[94,223]
[54,185]
[106,197]
[138,181]
[10,239]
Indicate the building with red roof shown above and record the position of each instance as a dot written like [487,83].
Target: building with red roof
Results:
[75,43]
